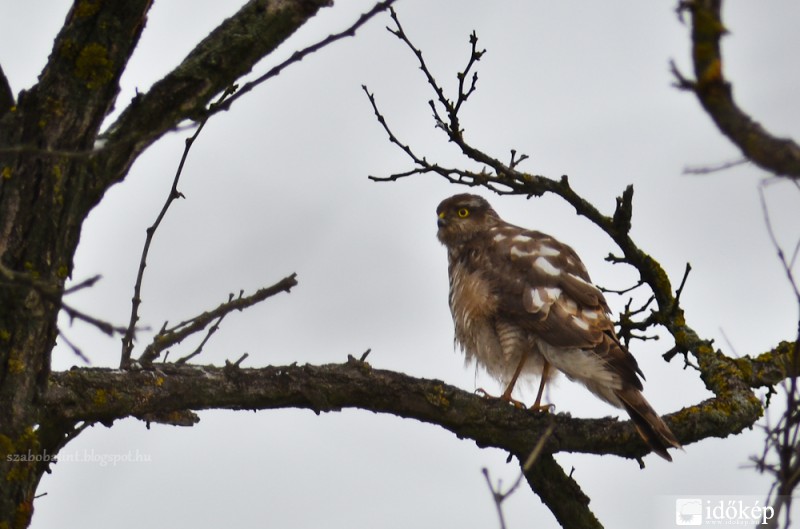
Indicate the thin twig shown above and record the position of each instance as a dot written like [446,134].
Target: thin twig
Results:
[497,494]
[781,256]
[784,439]
[86,283]
[75,349]
[106,327]
[709,169]
[300,55]
[168,337]
[211,331]
[136,301]
[679,291]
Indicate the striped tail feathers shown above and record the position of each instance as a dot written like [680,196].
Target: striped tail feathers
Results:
[650,426]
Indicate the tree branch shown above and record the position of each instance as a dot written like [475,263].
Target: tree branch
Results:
[302,54]
[171,393]
[219,61]
[720,373]
[105,395]
[174,335]
[780,156]
[562,494]
[174,194]
[735,406]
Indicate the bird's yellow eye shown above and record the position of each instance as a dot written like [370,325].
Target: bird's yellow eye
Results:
[463,213]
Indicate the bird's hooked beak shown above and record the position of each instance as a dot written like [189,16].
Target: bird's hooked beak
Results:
[441,222]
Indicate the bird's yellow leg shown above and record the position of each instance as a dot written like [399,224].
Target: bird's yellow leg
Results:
[506,396]
[507,393]
[537,406]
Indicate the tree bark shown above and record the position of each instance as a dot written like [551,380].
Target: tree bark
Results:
[52,175]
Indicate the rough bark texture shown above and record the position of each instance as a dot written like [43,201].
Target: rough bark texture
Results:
[780,156]
[51,176]
[56,165]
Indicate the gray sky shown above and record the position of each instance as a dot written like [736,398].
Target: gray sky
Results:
[278,185]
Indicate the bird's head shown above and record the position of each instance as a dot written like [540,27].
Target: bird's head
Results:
[463,217]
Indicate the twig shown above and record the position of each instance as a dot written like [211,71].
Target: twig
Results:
[168,337]
[300,55]
[620,292]
[679,291]
[75,349]
[516,161]
[106,327]
[497,494]
[86,283]
[787,268]
[784,439]
[127,339]
[704,170]
[211,330]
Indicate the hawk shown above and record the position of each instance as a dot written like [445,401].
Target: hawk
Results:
[523,304]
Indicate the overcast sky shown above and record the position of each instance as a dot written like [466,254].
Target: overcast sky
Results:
[279,185]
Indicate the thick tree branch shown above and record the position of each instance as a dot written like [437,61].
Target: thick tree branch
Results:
[780,156]
[562,494]
[218,62]
[105,395]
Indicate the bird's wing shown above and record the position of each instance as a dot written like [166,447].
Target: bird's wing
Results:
[545,288]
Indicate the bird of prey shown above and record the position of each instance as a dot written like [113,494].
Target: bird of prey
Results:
[523,304]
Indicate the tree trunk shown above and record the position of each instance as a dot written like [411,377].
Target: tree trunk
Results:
[51,176]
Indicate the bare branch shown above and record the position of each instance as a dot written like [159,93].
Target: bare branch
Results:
[704,170]
[168,337]
[86,283]
[302,54]
[209,333]
[108,328]
[786,264]
[136,301]
[356,384]
[497,493]
[781,454]
[561,493]
[75,349]
[219,61]
[780,156]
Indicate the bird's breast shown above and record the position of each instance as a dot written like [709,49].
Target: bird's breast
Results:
[473,305]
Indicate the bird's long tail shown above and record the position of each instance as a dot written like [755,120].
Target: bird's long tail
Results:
[650,426]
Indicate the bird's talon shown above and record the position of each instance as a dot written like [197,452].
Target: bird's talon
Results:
[506,398]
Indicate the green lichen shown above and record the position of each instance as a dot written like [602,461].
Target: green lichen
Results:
[6,172]
[93,66]
[62,272]
[100,397]
[15,366]
[5,335]
[438,397]
[26,443]
[87,8]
